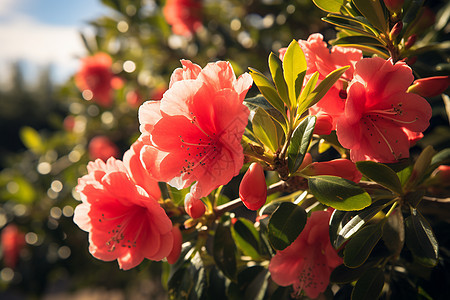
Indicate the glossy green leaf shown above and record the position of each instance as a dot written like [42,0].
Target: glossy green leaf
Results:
[380,174]
[253,282]
[339,193]
[422,163]
[224,252]
[246,237]
[343,274]
[410,15]
[260,102]
[361,245]
[369,286]
[285,224]
[373,12]
[32,140]
[309,87]
[420,239]
[440,158]
[294,70]
[300,140]
[343,225]
[358,39]
[404,175]
[321,89]
[267,90]
[276,70]
[394,232]
[329,5]
[350,24]
[265,129]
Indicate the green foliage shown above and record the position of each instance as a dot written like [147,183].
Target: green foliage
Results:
[285,224]
[339,193]
[380,174]
[300,140]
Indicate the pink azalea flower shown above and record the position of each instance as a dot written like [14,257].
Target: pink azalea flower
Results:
[378,109]
[320,59]
[196,128]
[124,221]
[183,15]
[308,262]
[96,77]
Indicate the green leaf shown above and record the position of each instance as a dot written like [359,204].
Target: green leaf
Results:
[267,90]
[343,225]
[260,102]
[339,193]
[321,89]
[265,129]
[343,274]
[246,237]
[380,51]
[294,68]
[370,285]
[361,245]
[380,174]
[420,239]
[329,5]
[300,140]
[394,232]
[309,87]
[420,166]
[285,224]
[32,140]
[350,24]
[224,252]
[276,70]
[373,12]
[440,158]
[404,174]
[253,282]
[358,39]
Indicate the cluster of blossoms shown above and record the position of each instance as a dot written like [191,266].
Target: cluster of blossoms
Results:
[369,107]
[192,138]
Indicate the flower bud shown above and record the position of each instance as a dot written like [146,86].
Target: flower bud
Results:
[410,41]
[394,6]
[343,168]
[102,147]
[253,188]
[430,87]
[12,241]
[395,31]
[194,206]
[442,175]
[176,249]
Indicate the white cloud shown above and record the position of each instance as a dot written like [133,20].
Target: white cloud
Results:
[25,39]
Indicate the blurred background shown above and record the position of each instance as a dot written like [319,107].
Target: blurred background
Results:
[51,127]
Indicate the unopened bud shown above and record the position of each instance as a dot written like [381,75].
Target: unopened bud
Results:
[194,206]
[410,41]
[253,188]
[431,86]
[394,6]
[395,31]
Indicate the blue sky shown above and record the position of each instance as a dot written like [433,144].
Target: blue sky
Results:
[42,32]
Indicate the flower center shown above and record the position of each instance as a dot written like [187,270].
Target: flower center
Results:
[119,232]
[200,152]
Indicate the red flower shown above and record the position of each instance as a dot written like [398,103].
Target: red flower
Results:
[13,241]
[196,128]
[183,15]
[253,188]
[394,5]
[343,168]
[194,206]
[431,86]
[124,221]
[96,79]
[308,262]
[320,59]
[102,147]
[177,243]
[377,110]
